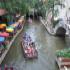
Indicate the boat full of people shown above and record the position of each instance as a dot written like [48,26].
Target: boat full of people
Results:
[29,47]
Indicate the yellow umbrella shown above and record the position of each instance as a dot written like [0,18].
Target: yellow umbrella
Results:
[9,30]
[3,25]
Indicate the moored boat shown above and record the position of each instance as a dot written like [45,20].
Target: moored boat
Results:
[63,59]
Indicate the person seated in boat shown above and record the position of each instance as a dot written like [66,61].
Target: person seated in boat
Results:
[24,38]
[33,44]
[24,35]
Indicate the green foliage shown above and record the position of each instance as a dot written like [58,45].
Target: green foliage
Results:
[24,5]
[63,53]
[14,5]
[50,3]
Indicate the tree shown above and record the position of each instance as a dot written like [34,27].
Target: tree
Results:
[24,5]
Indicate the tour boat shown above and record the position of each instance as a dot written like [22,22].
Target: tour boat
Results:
[29,48]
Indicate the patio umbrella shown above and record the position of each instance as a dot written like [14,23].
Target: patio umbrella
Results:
[10,29]
[2,39]
[4,34]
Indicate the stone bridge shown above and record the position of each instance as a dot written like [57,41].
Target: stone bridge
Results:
[62,28]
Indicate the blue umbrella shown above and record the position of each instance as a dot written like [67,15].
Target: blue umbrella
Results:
[11,22]
[2,39]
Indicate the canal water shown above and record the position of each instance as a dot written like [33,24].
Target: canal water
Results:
[46,45]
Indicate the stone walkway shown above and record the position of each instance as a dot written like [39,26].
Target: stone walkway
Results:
[48,26]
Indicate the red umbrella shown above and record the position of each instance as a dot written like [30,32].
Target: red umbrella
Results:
[4,34]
